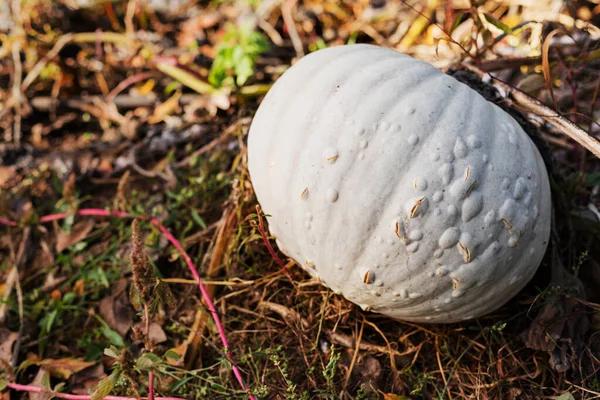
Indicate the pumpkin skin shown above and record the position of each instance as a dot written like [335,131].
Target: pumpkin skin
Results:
[398,186]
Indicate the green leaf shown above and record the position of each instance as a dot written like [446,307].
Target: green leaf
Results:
[105,386]
[566,396]
[236,55]
[173,355]
[111,352]
[68,298]
[49,320]
[198,219]
[113,336]
[500,25]
[592,179]
[244,70]
[185,78]
[218,388]
[457,21]
[59,387]
[147,361]
[178,384]
[46,380]
[3,384]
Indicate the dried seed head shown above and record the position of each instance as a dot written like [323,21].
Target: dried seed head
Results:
[142,270]
[122,191]
[69,188]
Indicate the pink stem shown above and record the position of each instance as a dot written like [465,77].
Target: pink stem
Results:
[125,83]
[98,43]
[35,389]
[169,236]
[4,221]
[150,373]
[151,386]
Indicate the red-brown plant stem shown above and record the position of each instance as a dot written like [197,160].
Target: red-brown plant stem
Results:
[261,229]
[4,221]
[35,389]
[169,236]
[127,82]
[150,373]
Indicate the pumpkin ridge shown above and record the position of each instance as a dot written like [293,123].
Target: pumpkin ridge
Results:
[358,250]
[282,189]
[525,141]
[440,290]
[411,273]
[311,128]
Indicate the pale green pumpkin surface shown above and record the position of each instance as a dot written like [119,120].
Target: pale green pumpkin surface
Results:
[398,186]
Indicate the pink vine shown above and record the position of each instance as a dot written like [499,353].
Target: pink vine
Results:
[35,389]
[169,236]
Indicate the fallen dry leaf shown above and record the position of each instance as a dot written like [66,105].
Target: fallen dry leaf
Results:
[84,380]
[63,368]
[368,372]
[392,396]
[561,326]
[165,109]
[41,380]
[79,287]
[7,339]
[180,350]
[116,309]
[79,231]
[7,173]
[51,282]
[157,334]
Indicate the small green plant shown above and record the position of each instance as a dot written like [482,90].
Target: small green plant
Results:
[236,56]
[329,371]
[278,357]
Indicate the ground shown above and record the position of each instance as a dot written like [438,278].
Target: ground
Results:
[122,121]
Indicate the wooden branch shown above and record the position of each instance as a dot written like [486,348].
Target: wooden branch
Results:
[536,107]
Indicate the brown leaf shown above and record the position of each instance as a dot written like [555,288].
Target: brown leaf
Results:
[51,282]
[368,372]
[562,324]
[79,231]
[545,52]
[165,109]
[6,174]
[392,396]
[64,367]
[79,287]
[116,311]
[7,339]
[41,380]
[82,381]
[157,334]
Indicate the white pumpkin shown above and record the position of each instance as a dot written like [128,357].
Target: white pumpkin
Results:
[398,186]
